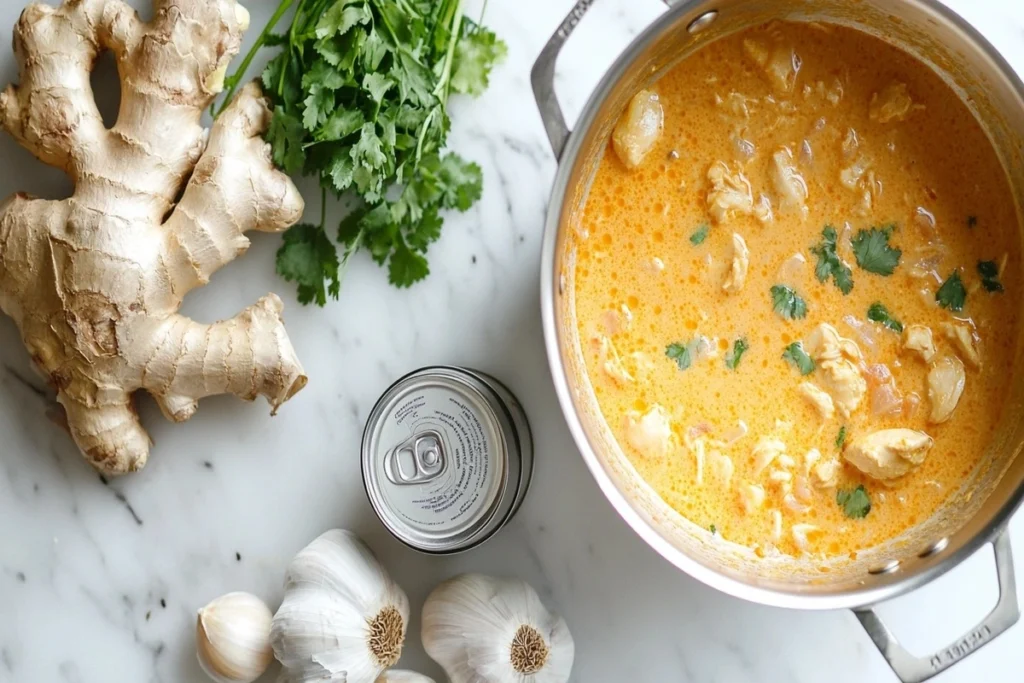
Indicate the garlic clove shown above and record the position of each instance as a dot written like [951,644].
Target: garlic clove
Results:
[480,628]
[342,617]
[233,638]
[399,676]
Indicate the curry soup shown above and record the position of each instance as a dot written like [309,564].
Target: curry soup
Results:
[795,285]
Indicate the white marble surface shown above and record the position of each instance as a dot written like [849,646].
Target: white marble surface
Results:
[99,582]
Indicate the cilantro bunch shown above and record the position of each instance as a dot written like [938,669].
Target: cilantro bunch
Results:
[360,91]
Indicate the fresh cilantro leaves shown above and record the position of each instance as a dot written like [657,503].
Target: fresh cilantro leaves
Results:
[841,438]
[360,92]
[855,502]
[700,234]
[952,294]
[880,314]
[739,347]
[872,250]
[989,272]
[680,353]
[829,263]
[713,529]
[796,355]
[787,303]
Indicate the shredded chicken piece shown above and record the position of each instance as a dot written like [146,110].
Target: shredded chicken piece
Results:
[765,453]
[736,433]
[918,338]
[802,488]
[789,185]
[791,267]
[819,399]
[946,380]
[780,476]
[892,103]
[776,525]
[731,195]
[639,129]
[722,466]
[779,62]
[611,363]
[826,473]
[888,453]
[837,359]
[737,275]
[791,502]
[751,497]
[800,533]
[736,104]
[699,455]
[650,433]
[965,340]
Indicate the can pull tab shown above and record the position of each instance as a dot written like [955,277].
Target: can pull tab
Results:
[418,459]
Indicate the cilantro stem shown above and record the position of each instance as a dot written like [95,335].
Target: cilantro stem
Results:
[250,55]
[323,208]
[445,79]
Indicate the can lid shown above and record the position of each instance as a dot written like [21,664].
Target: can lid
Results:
[434,459]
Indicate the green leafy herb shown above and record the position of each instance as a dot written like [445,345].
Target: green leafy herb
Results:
[700,234]
[855,503]
[880,314]
[952,294]
[841,438]
[796,355]
[787,303]
[989,272]
[871,247]
[360,92]
[739,347]
[680,353]
[829,263]
[713,529]
[972,221]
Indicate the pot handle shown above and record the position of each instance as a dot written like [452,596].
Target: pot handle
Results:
[542,76]
[911,669]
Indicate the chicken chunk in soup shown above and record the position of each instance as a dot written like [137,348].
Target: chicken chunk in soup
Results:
[795,286]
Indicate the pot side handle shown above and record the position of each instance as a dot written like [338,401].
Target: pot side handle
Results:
[542,77]
[911,669]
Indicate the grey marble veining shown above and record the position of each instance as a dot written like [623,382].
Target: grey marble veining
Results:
[100,580]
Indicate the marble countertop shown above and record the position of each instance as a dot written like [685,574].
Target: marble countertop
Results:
[99,581]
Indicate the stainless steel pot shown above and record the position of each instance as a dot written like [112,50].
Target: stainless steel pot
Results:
[980,513]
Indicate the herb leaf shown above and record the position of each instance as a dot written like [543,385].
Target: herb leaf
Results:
[787,303]
[871,247]
[700,234]
[796,355]
[680,353]
[713,529]
[952,294]
[880,314]
[989,272]
[855,503]
[360,92]
[829,263]
[841,438]
[739,347]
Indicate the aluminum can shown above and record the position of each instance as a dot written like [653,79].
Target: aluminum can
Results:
[447,457]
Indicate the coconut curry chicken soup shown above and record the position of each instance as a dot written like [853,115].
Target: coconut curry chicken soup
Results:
[796,272]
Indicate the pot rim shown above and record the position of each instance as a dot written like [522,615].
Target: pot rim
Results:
[855,599]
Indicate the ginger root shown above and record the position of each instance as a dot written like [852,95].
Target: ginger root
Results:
[94,282]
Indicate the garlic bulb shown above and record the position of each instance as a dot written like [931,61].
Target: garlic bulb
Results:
[487,630]
[399,676]
[233,638]
[342,618]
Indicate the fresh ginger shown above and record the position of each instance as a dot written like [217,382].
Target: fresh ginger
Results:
[94,282]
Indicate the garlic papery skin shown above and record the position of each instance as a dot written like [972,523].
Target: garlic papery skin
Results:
[487,630]
[342,617]
[399,676]
[233,638]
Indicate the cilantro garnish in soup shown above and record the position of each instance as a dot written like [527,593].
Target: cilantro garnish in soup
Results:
[795,289]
